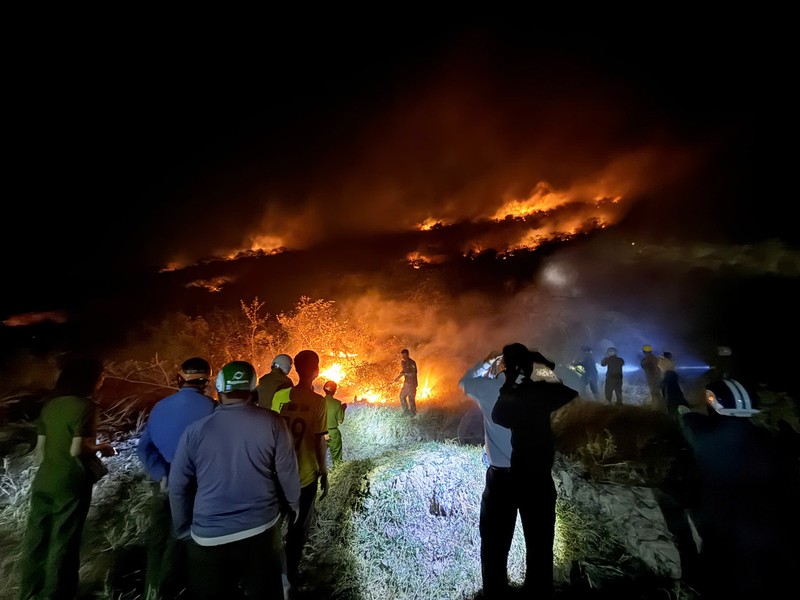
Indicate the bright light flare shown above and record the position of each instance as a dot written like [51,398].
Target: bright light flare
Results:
[372,397]
[334,373]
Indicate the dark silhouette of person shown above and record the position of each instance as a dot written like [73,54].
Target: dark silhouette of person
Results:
[670,385]
[408,393]
[525,407]
[613,385]
[588,373]
[749,494]
[652,373]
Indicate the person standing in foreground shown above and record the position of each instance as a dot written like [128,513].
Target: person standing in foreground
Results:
[61,491]
[336,410]
[613,364]
[166,575]
[276,379]
[307,416]
[498,515]
[233,475]
[408,393]
[749,493]
[525,407]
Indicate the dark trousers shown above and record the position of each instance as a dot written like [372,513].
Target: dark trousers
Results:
[537,510]
[613,386]
[591,383]
[249,568]
[497,521]
[504,496]
[408,396]
[166,575]
[51,544]
[297,532]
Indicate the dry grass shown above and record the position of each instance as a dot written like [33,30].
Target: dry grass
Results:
[400,521]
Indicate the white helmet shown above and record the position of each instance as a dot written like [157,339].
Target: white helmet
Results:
[728,397]
[283,362]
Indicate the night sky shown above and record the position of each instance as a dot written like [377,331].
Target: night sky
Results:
[132,146]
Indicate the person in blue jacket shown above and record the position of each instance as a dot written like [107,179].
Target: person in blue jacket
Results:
[166,575]
[233,478]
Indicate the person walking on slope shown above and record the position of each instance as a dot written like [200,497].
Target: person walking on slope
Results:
[233,475]
[525,407]
[613,385]
[61,491]
[336,410]
[652,374]
[276,379]
[408,393]
[307,415]
[166,575]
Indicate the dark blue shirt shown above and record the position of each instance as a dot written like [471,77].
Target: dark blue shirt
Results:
[165,425]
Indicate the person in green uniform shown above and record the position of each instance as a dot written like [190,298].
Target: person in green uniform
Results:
[336,410]
[61,490]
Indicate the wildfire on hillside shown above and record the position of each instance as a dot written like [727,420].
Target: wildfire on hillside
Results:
[377,391]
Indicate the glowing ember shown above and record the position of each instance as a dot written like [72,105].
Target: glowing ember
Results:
[542,199]
[430,223]
[267,243]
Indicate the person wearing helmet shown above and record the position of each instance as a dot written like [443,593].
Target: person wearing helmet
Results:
[746,513]
[166,573]
[613,365]
[233,476]
[336,410]
[306,412]
[652,374]
[588,372]
[276,379]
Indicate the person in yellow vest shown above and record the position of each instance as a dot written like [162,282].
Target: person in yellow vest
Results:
[336,410]
[305,412]
[277,379]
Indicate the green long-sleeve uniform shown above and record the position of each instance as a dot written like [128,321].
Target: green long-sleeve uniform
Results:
[336,411]
[60,496]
